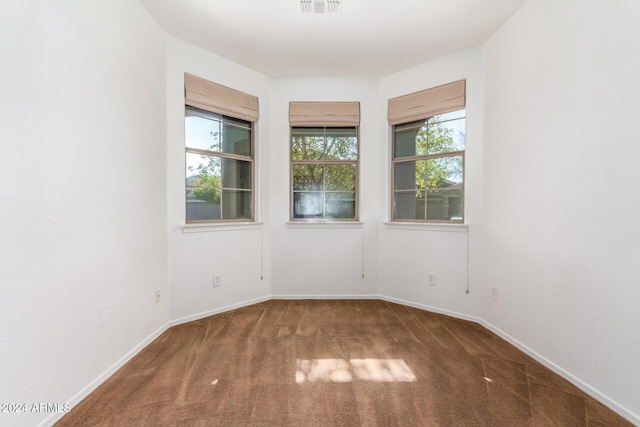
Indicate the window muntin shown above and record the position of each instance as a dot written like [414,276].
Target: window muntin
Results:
[428,169]
[219,167]
[324,173]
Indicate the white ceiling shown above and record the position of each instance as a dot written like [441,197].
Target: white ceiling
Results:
[367,38]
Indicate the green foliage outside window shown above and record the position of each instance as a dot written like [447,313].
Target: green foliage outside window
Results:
[207,183]
[324,172]
[219,167]
[428,168]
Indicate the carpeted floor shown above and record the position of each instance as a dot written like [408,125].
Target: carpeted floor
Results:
[335,363]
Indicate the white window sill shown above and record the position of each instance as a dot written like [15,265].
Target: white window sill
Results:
[223,226]
[450,228]
[324,224]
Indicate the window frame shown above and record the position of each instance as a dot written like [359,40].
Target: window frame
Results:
[356,163]
[221,155]
[425,157]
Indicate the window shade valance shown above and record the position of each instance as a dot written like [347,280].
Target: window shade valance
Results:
[324,113]
[427,103]
[201,93]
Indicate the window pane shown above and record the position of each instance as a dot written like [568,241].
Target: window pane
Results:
[218,188]
[440,134]
[308,177]
[340,205]
[408,178]
[209,131]
[444,188]
[409,204]
[236,137]
[443,172]
[308,204]
[307,144]
[342,144]
[203,181]
[445,205]
[324,143]
[459,114]
[236,174]
[236,204]
[446,136]
[405,140]
[340,177]
[326,188]
[404,176]
[201,131]
[429,189]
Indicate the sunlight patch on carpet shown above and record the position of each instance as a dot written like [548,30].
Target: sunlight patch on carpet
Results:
[341,370]
[323,370]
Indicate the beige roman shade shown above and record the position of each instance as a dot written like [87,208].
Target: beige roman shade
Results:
[324,113]
[427,103]
[201,93]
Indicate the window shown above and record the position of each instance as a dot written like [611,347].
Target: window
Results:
[427,162]
[324,170]
[324,162]
[219,166]
[219,152]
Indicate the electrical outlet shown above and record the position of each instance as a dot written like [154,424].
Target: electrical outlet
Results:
[494,294]
[157,296]
[217,280]
[431,279]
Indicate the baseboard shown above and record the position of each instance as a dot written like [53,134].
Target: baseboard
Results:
[431,309]
[299,297]
[614,406]
[208,313]
[55,417]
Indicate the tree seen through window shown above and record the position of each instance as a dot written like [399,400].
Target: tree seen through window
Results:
[324,170]
[428,168]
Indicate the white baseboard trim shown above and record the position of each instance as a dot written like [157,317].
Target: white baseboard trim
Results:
[619,409]
[300,297]
[431,309]
[208,313]
[614,406]
[55,417]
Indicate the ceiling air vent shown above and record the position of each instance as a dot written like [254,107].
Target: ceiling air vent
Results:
[320,6]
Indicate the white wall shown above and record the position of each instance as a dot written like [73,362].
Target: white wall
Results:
[82,195]
[408,252]
[326,260]
[92,213]
[562,213]
[239,254]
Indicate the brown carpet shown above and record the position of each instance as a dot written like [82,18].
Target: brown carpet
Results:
[335,363]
